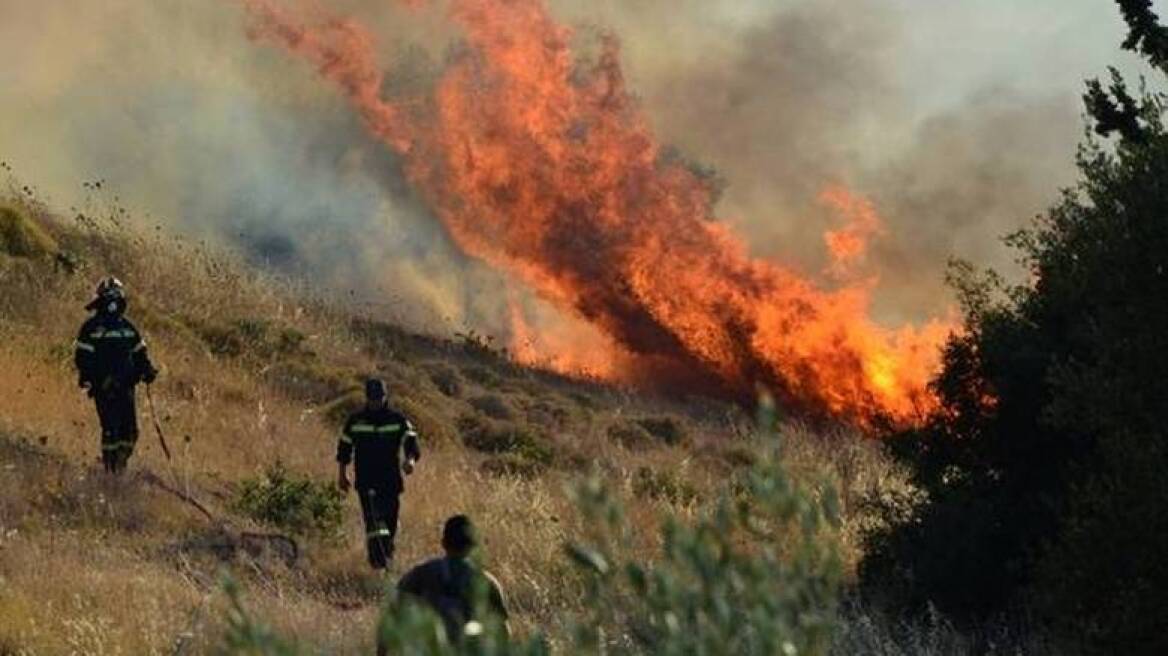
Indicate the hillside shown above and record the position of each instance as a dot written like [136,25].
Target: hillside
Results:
[257,373]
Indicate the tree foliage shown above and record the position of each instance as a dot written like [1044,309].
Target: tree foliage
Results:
[1044,467]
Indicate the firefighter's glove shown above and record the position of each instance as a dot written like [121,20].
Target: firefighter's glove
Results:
[150,375]
[343,482]
[408,466]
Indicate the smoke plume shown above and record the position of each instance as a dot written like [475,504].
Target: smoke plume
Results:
[768,103]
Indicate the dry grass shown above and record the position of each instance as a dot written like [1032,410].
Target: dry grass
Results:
[254,371]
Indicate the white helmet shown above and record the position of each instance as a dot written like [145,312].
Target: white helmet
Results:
[110,293]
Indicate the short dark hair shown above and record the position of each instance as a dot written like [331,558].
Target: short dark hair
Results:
[375,389]
[459,534]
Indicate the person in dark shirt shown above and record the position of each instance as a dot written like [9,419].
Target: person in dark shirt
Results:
[374,439]
[464,595]
[111,359]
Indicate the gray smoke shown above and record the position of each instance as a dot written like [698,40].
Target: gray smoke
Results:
[198,127]
[959,122]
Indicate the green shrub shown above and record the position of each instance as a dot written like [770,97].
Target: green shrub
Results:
[289,341]
[756,574]
[1103,582]
[1042,469]
[585,401]
[483,376]
[665,429]
[429,419]
[20,236]
[630,435]
[233,339]
[446,379]
[282,499]
[248,636]
[737,457]
[382,339]
[492,406]
[547,413]
[662,485]
[311,380]
[257,339]
[513,466]
[499,437]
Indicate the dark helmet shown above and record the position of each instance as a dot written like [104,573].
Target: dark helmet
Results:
[459,534]
[110,294]
[375,389]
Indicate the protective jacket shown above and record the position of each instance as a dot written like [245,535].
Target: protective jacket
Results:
[456,589]
[375,438]
[110,354]
[111,359]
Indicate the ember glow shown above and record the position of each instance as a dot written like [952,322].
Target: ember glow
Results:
[543,165]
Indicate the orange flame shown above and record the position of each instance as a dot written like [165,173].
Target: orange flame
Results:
[849,245]
[564,348]
[544,166]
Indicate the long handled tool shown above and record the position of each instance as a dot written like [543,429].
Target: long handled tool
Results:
[157,425]
[286,547]
[176,490]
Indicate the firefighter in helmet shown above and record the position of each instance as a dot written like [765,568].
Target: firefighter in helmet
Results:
[111,360]
[375,439]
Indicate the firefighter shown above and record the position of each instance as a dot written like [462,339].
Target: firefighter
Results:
[375,438]
[459,591]
[111,360]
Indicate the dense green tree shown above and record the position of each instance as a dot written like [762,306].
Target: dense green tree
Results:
[1044,468]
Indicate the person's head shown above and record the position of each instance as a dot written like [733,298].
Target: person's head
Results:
[458,536]
[110,297]
[375,396]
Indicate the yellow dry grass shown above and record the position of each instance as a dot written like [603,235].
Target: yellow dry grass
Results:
[92,566]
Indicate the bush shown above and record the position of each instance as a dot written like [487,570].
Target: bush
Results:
[663,485]
[499,438]
[257,339]
[282,499]
[483,376]
[312,381]
[512,466]
[1043,466]
[21,237]
[547,413]
[234,339]
[757,574]
[665,429]
[630,435]
[492,406]
[246,635]
[446,379]
[427,416]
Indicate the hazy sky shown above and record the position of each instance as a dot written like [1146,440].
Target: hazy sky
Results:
[1044,45]
[958,118]
[943,49]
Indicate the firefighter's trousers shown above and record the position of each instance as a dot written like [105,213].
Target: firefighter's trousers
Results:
[118,415]
[379,508]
